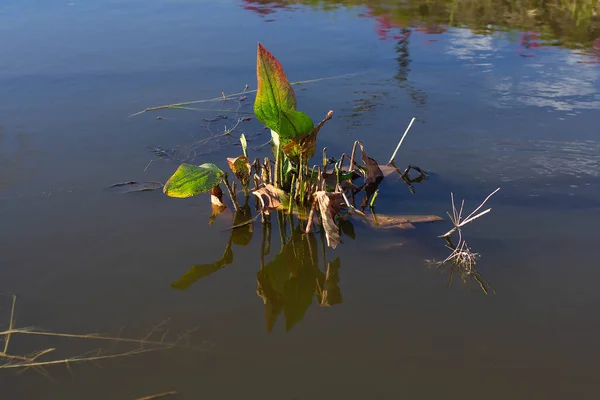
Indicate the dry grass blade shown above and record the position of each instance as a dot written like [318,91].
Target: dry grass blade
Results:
[456,216]
[462,259]
[31,361]
[94,336]
[76,359]
[158,395]
[10,324]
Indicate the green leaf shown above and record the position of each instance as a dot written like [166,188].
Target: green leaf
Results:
[190,180]
[293,123]
[274,92]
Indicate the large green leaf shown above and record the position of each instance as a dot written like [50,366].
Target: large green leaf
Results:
[190,180]
[274,92]
[293,123]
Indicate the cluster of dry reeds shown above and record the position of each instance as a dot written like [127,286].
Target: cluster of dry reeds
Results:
[38,359]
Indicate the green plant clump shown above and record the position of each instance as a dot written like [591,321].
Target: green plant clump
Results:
[287,184]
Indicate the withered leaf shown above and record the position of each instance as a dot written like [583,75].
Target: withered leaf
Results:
[388,170]
[216,196]
[269,196]
[373,175]
[329,206]
[241,168]
[304,146]
[401,221]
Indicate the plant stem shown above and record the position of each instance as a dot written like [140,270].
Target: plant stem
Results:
[232,195]
[372,202]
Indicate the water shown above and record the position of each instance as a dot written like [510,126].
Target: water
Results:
[495,107]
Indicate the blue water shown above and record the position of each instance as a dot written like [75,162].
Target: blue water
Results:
[82,259]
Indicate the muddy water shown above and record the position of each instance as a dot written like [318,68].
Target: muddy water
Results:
[493,110]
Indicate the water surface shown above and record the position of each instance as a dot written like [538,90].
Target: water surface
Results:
[502,99]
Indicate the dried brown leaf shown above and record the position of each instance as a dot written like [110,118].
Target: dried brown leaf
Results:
[269,196]
[387,170]
[401,221]
[216,196]
[373,175]
[329,206]
[241,168]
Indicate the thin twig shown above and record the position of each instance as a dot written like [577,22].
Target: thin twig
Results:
[401,140]
[157,396]
[76,359]
[10,324]
[93,337]
[231,193]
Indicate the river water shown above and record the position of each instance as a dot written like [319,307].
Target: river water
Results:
[501,100]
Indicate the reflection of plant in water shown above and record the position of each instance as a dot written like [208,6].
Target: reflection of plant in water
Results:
[291,280]
[404,60]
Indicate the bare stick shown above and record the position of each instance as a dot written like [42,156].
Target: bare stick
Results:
[481,205]
[157,396]
[92,336]
[76,359]
[232,195]
[10,324]
[401,140]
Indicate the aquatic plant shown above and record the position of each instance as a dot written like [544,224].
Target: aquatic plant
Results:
[287,183]
[302,195]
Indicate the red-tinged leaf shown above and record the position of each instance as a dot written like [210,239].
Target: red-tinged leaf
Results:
[274,92]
